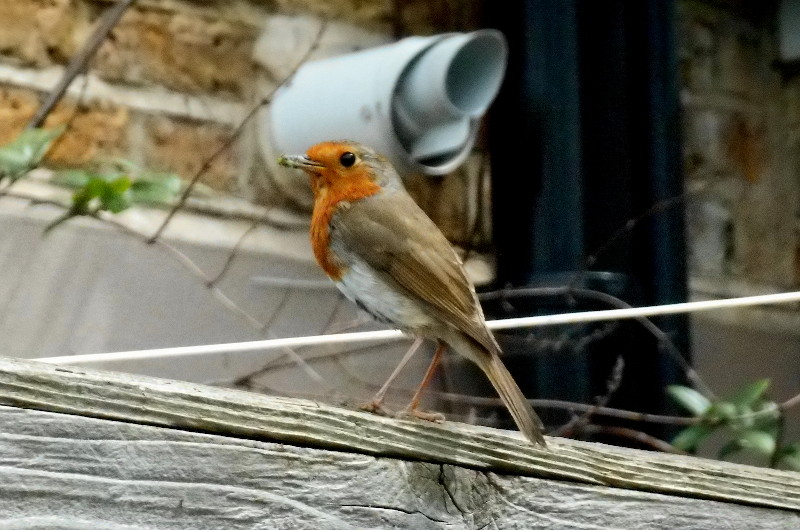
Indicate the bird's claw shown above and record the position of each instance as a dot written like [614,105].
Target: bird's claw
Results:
[435,417]
[375,407]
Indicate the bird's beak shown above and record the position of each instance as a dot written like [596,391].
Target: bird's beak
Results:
[299,162]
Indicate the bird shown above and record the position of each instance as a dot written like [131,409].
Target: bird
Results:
[388,257]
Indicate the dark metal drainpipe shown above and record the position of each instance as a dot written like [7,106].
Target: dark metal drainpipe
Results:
[585,136]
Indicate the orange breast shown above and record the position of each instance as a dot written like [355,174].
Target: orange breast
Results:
[327,201]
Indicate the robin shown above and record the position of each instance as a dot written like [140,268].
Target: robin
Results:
[386,255]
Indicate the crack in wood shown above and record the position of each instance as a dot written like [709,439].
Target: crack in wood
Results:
[394,509]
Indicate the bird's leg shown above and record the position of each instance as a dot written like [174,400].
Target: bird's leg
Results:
[376,404]
[411,409]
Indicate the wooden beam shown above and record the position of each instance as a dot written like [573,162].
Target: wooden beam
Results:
[63,471]
[193,407]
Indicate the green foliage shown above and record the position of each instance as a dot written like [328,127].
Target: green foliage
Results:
[111,189]
[146,187]
[788,456]
[749,421]
[751,393]
[690,399]
[99,194]
[690,438]
[26,151]
[115,189]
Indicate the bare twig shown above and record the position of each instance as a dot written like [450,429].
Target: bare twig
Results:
[611,387]
[235,135]
[633,434]
[477,401]
[615,413]
[190,266]
[569,291]
[231,255]
[218,293]
[779,408]
[630,224]
[789,403]
[179,256]
[79,61]
[658,207]
[280,362]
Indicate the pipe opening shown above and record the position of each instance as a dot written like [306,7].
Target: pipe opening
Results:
[475,74]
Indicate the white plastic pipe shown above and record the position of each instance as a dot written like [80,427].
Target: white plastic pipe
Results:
[445,90]
[417,101]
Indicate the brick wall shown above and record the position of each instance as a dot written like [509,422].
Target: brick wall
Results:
[740,122]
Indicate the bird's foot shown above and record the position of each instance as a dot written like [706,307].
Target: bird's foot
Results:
[435,417]
[375,407]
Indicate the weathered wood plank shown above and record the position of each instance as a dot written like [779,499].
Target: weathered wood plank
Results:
[62,471]
[187,406]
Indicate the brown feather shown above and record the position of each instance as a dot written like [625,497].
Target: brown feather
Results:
[394,236]
[525,417]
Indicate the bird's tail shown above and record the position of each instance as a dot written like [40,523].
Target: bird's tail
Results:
[524,416]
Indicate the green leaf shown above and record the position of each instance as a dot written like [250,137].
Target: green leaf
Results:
[790,461]
[751,393]
[760,442]
[162,191]
[78,178]
[115,202]
[82,197]
[97,194]
[73,178]
[689,438]
[690,399]
[119,185]
[93,189]
[114,196]
[26,151]
[789,456]
[721,412]
[734,446]
[745,420]
[767,414]
[39,138]
[100,194]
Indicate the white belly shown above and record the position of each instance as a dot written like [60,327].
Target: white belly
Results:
[368,290]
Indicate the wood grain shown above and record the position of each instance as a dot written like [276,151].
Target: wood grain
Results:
[68,472]
[192,407]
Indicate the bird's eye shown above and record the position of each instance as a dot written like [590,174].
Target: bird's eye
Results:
[347,159]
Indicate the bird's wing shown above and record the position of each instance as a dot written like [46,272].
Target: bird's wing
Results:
[395,237]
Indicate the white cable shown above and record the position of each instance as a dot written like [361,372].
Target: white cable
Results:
[292,283]
[231,347]
[388,335]
[650,311]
